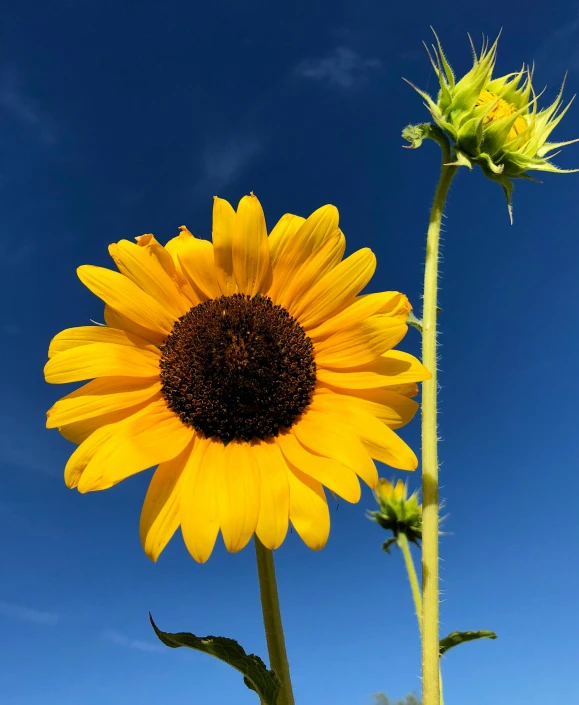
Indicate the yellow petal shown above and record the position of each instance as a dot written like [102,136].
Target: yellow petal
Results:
[160,516]
[336,290]
[272,524]
[392,368]
[362,308]
[85,452]
[101,396]
[140,265]
[154,435]
[169,265]
[361,343]
[400,489]
[295,246]
[114,320]
[224,224]
[319,263]
[84,335]
[238,496]
[379,440]
[101,360]
[79,431]
[196,260]
[324,435]
[282,232]
[198,502]
[333,475]
[393,409]
[308,510]
[250,248]
[126,297]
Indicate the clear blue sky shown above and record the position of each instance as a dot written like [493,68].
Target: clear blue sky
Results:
[118,119]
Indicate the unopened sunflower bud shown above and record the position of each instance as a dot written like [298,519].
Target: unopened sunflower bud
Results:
[493,122]
[397,512]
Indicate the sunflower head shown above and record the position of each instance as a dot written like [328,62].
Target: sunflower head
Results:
[249,369]
[494,121]
[397,512]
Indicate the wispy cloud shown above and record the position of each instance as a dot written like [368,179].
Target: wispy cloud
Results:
[223,162]
[121,640]
[560,48]
[26,614]
[16,103]
[343,68]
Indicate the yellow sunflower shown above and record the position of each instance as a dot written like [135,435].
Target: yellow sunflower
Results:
[248,369]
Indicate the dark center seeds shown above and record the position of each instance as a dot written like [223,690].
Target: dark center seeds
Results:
[238,368]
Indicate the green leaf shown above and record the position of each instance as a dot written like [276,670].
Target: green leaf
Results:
[256,675]
[456,638]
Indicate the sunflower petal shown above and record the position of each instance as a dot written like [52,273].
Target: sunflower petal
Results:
[140,265]
[169,265]
[160,516]
[308,509]
[296,246]
[317,432]
[250,248]
[238,496]
[126,297]
[84,335]
[79,431]
[224,224]
[391,369]
[333,475]
[272,524]
[361,343]
[198,503]
[362,308]
[116,321]
[319,263]
[282,232]
[100,360]
[101,396]
[380,441]
[196,261]
[392,408]
[153,436]
[337,289]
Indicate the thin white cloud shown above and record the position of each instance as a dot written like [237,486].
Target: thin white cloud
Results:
[15,103]
[343,68]
[224,162]
[26,614]
[121,640]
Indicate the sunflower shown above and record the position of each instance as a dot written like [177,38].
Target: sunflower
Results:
[248,369]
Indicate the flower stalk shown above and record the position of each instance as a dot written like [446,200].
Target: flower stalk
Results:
[278,660]
[430,501]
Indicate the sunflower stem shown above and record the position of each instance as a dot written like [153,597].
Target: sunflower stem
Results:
[430,594]
[402,541]
[278,660]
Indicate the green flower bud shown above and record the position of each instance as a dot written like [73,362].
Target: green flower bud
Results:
[494,122]
[397,512]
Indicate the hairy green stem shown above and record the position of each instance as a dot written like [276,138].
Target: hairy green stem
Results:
[430,594]
[402,542]
[272,621]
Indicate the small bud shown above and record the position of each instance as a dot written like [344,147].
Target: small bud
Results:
[397,512]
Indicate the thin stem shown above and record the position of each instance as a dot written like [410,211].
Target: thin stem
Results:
[430,595]
[272,621]
[402,542]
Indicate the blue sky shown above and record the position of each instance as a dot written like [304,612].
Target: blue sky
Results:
[122,118]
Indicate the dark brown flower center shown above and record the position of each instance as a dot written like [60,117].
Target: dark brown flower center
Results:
[238,368]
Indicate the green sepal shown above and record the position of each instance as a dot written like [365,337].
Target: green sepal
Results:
[386,545]
[256,675]
[470,135]
[456,638]
[461,160]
